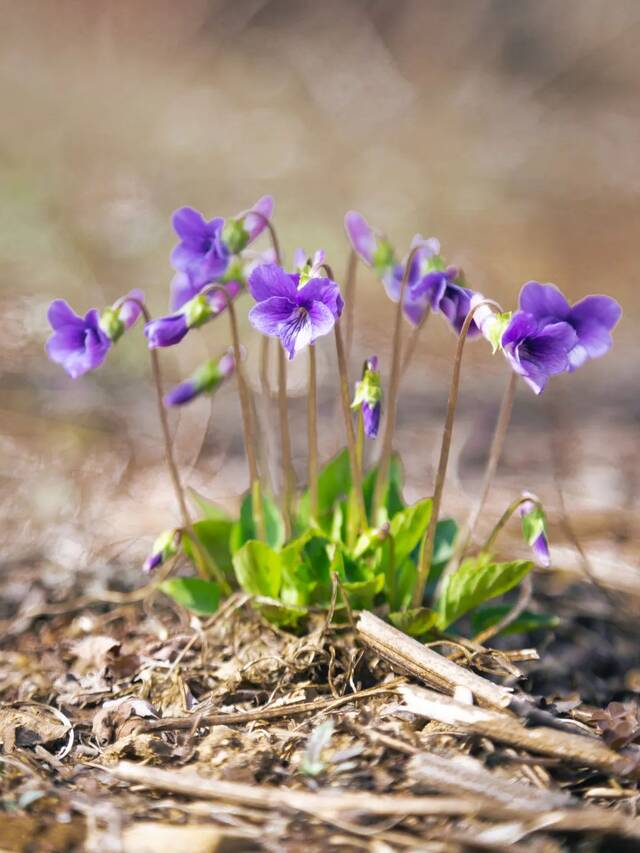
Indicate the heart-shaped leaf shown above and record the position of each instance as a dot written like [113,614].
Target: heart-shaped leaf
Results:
[195,594]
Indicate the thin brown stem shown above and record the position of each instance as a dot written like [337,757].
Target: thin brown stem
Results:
[245,410]
[504,519]
[288,476]
[426,551]
[270,228]
[206,567]
[392,397]
[497,445]
[350,300]
[312,424]
[412,343]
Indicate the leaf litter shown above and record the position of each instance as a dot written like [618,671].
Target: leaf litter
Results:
[132,726]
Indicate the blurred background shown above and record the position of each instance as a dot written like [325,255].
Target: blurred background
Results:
[510,131]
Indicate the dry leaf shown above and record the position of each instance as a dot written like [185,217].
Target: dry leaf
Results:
[29,725]
[120,717]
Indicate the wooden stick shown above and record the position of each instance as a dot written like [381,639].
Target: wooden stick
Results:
[434,669]
[327,806]
[504,728]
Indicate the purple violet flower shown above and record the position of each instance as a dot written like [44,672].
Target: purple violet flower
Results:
[298,315]
[592,318]
[206,246]
[537,350]
[442,290]
[171,329]
[206,379]
[77,343]
[166,331]
[130,308]
[368,397]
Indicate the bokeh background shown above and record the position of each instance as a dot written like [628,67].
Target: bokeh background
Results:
[510,130]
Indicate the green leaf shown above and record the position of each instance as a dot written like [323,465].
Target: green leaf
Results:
[444,541]
[301,575]
[334,483]
[195,594]
[284,615]
[393,501]
[416,622]
[476,581]
[214,536]
[207,507]
[527,621]
[244,530]
[258,569]
[400,590]
[362,593]
[408,527]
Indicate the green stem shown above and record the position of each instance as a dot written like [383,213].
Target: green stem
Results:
[312,427]
[426,551]
[245,411]
[392,397]
[205,565]
[504,519]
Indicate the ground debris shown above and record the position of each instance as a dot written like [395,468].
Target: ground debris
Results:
[229,734]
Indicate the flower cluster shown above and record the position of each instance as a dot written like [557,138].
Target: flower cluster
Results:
[430,283]
[350,518]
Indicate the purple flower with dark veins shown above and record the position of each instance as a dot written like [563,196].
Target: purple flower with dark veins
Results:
[206,246]
[537,350]
[77,343]
[298,315]
[592,318]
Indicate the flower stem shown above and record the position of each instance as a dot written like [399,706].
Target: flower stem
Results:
[504,518]
[392,397]
[497,445]
[412,343]
[356,479]
[350,299]
[205,565]
[312,427]
[426,550]
[288,476]
[245,411]
[285,438]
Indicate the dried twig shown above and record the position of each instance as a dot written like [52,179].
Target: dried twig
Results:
[504,728]
[411,656]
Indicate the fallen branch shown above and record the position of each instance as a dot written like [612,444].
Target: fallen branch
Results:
[577,749]
[434,669]
[330,805]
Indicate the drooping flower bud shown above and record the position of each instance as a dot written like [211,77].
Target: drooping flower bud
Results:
[165,546]
[368,397]
[534,529]
[206,379]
